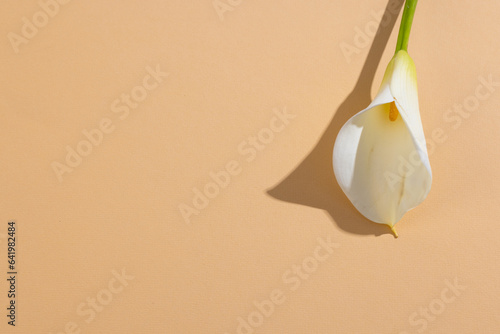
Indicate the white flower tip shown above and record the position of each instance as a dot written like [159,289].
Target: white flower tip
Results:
[393,231]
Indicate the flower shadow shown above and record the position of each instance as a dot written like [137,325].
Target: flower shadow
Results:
[313,183]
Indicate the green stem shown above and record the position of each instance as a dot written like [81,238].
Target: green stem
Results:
[406,21]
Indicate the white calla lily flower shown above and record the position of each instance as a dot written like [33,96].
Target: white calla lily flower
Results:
[380,157]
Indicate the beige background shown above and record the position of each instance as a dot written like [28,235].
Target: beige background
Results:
[119,208]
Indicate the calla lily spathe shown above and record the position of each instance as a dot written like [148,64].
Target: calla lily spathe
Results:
[380,157]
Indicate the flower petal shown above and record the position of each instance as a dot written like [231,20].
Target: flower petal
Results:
[381,165]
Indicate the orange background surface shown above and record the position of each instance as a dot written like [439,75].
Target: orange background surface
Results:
[276,247]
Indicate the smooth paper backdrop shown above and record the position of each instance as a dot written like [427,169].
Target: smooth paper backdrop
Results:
[231,72]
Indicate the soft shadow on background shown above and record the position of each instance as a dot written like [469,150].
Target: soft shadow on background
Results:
[313,183]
